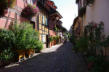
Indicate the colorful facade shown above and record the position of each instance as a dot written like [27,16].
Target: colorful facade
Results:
[46,10]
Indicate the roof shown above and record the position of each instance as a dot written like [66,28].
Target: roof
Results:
[57,14]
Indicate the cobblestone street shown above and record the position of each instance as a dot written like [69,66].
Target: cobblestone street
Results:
[59,58]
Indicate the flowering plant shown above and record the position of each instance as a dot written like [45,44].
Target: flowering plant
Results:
[29,11]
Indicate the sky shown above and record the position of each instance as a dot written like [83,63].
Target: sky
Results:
[68,9]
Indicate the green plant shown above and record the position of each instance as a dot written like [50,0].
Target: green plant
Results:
[56,38]
[7,39]
[82,44]
[26,36]
[73,38]
[99,64]
[39,46]
[51,39]
[105,43]
[6,55]
[93,32]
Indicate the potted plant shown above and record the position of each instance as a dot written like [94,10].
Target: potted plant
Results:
[6,46]
[39,46]
[6,57]
[21,33]
[25,40]
[32,38]
[29,11]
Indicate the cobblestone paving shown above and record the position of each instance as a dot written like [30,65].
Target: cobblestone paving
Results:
[59,58]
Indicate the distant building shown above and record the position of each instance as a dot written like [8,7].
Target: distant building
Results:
[95,11]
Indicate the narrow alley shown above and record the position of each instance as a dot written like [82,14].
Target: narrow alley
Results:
[59,58]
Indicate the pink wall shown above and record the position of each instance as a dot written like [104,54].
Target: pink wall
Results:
[52,23]
[4,21]
[21,4]
[52,33]
[99,11]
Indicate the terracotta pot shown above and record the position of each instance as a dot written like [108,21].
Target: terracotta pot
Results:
[21,55]
[30,52]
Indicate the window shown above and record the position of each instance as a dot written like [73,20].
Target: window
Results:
[30,2]
[46,21]
[43,19]
[43,38]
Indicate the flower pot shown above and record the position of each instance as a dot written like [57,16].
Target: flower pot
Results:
[30,53]
[21,55]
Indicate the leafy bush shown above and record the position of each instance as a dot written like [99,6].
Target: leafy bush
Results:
[99,64]
[26,36]
[39,46]
[94,34]
[6,55]
[105,43]
[54,38]
[82,44]
[7,39]
[50,39]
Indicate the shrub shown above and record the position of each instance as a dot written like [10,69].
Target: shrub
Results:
[105,43]
[51,39]
[99,64]
[7,39]
[6,55]
[39,46]
[82,44]
[26,36]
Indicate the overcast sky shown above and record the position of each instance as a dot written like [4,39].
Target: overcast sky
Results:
[68,9]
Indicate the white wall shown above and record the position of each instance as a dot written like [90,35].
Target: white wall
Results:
[99,11]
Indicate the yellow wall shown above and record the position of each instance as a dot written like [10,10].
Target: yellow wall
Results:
[43,30]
